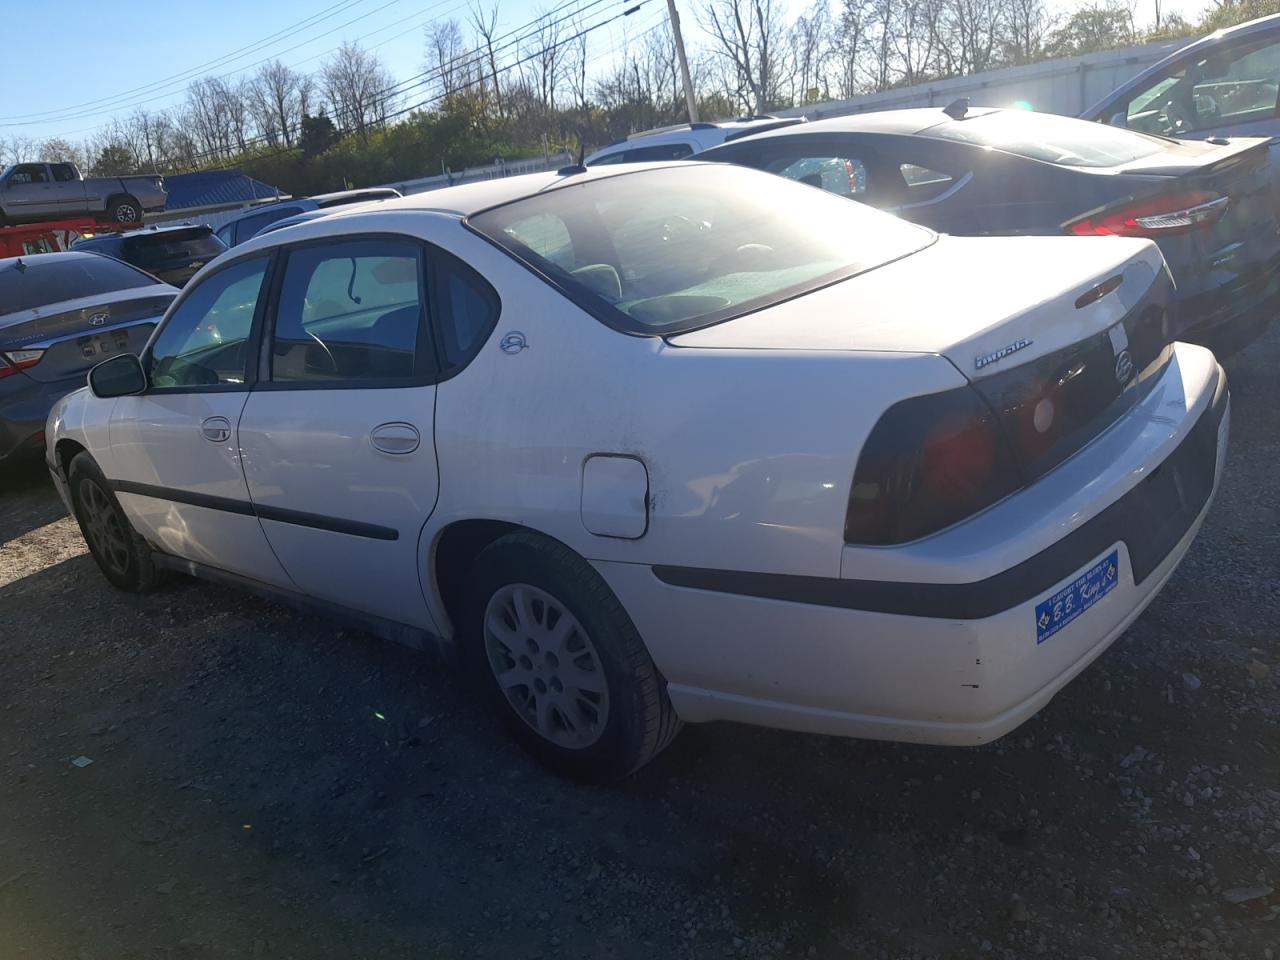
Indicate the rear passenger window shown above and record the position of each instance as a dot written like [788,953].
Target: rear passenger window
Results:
[467,309]
[846,176]
[922,183]
[350,311]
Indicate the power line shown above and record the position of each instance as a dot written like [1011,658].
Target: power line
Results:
[461,62]
[300,25]
[434,99]
[92,113]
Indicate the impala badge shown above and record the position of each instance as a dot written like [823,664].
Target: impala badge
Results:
[982,361]
[99,319]
[513,342]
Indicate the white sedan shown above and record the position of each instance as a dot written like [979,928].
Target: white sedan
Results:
[670,443]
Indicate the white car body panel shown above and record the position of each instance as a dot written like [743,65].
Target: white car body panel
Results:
[868,674]
[157,440]
[732,448]
[310,451]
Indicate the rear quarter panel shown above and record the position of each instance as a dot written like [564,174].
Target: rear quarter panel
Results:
[750,453]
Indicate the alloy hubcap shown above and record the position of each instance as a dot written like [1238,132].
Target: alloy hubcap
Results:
[103,528]
[126,214]
[546,665]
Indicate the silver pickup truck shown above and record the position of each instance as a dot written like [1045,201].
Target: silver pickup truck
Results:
[30,192]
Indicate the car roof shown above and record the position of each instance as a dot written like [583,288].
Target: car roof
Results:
[340,196]
[47,259]
[912,121]
[462,201]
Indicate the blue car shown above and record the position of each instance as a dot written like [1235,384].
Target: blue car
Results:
[252,223]
[985,172]
[60,314]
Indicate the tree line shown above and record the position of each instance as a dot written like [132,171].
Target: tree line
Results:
[485,92]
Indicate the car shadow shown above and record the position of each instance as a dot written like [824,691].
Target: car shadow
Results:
[28,499]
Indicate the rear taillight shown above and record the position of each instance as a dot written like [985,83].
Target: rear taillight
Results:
[16,360]
[928,463]
[1162,216]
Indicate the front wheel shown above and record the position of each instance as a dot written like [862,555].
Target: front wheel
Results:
[123,557]
[562,661]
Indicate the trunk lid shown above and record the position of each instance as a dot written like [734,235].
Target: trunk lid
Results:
[1244,242]
[77,334]
[1059,335]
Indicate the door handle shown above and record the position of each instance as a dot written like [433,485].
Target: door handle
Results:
[396,438]
[216,429]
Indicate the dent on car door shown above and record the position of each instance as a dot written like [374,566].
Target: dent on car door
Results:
[338,437]
[177,468]
[1228,90]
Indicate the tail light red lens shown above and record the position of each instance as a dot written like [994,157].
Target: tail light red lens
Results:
[1162,216]
[17,360]
[929,462]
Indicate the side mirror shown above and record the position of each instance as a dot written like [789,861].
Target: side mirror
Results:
[120,376]
[1119,119]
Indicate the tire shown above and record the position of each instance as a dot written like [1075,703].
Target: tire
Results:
[124,210]
[123,557]
[587,701]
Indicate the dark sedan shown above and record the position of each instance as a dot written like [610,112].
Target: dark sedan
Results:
[60,314]
[982,171]
[236,232]
[173,254]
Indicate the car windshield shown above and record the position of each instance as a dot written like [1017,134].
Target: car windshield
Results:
[666,250]
[148,250]
[56,278]
[1064,141]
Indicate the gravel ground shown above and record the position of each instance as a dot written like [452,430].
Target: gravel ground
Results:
[265,784]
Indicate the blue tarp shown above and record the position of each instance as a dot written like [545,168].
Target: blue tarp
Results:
[213,188]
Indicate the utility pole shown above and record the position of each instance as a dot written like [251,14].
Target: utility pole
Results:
[684,61]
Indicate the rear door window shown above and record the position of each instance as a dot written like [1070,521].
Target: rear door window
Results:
[351,311]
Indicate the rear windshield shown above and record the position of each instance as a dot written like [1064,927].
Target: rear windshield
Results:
[58,277]
[1062,140]
[157,248]
[668,250]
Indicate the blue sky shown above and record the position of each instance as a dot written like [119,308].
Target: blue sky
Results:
[69,71]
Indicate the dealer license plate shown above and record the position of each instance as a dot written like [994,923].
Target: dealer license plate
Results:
[1077,597]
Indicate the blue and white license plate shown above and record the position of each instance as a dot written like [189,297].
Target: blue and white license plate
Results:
[1077,597]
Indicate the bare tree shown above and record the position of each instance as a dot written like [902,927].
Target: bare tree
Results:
[749,35]
[852,34]
[1027,23]
[486,26]
[811,37]
[358,88]
[278,97]
[545,63]
[447,56]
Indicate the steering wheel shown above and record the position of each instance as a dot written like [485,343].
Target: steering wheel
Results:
[1174,118]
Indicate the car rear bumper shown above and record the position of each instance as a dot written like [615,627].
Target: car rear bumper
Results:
[1234,314]
[926,661]
[24,407]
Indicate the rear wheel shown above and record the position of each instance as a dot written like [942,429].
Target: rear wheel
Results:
[124,210]
[123,557]
[562,661]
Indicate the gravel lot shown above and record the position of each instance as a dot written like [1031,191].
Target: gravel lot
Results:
[265,784]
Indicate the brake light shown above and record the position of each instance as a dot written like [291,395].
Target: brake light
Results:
[929,462]
[1162,216]
[16,360]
